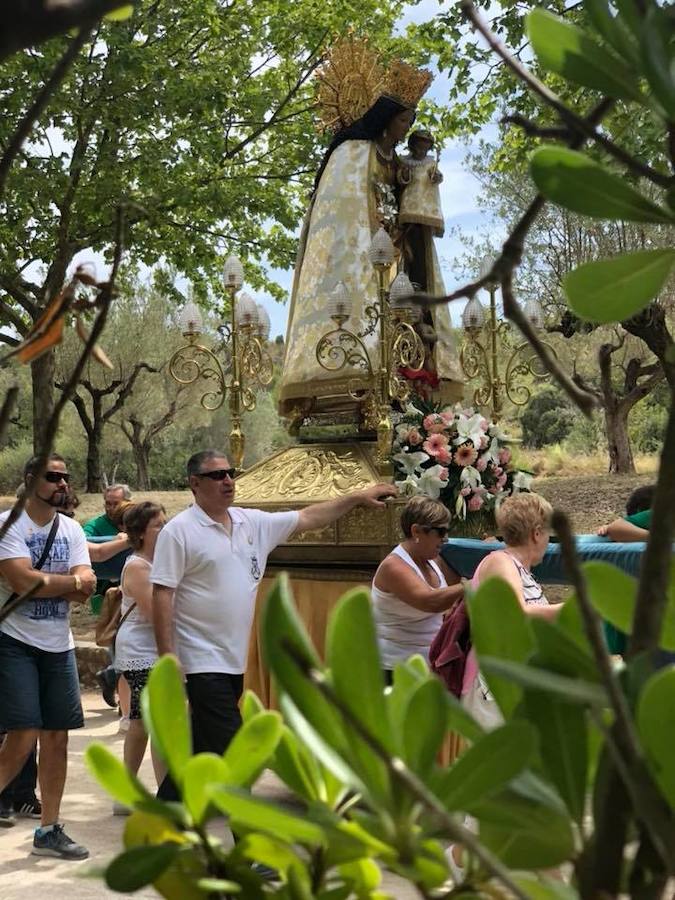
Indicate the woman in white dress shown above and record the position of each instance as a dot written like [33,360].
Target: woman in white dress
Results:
[135,647]
[413,587]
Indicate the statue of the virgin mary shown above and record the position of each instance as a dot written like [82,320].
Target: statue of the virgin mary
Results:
[370,109]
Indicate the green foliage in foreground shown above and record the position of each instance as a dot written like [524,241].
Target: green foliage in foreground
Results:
[362,762]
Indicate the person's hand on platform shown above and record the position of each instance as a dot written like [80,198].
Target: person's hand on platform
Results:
[602,531]
[377,494]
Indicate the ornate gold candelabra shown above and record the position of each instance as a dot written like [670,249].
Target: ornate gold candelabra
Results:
[399,346]
[480,359]
[248,364]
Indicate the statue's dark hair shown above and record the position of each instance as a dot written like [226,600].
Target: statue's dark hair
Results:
[369,127]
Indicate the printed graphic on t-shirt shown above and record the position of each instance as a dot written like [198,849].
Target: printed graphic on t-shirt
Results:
[255,567]
[57,562]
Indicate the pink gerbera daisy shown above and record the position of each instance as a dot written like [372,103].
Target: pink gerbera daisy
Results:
[436,445]
[466,455]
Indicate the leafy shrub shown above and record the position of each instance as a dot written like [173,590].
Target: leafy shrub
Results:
[547,419]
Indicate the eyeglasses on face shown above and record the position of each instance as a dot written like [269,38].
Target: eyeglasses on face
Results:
[219,474]
[441,531]
[55,477]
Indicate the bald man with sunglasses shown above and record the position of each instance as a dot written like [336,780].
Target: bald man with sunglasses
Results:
[208,563]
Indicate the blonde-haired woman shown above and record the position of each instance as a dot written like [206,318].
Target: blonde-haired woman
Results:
[410,590]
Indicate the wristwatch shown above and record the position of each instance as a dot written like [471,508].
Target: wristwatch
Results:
[78,582]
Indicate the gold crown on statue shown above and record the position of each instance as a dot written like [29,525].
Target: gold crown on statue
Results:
[352,78]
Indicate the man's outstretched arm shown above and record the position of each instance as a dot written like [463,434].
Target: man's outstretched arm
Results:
[321,514]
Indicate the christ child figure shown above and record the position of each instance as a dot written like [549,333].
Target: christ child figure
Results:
[419,176]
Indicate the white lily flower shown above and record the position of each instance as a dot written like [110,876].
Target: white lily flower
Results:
[460,507]
[522,481]
[469,429]
[470,477]
[430,482]
[409,487]
[410,462]
[492,451]
[401,432]
[412,412]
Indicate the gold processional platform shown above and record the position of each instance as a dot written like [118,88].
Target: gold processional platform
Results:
[325,563]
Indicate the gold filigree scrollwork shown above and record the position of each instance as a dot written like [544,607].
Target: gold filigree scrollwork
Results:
[194,362]
[407,349]
[521,365]
[340,348]
[373,313]
[475,363]
[256,362]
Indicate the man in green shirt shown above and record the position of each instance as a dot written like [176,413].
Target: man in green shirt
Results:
[634,526]
[103,526]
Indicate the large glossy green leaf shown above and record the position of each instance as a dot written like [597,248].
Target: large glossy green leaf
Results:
[251,705]
[656,723]
[657,58]
[500,628]
[113,775]
[532,837]
[612,28]
[356,676]
[425,726]
[612,290]
[538,887]
[259,815]
[281,628]
[565,49]
[406,680]
[576,182]
[297,768]
[200,773]
[273,852]
[613,593]
[164,709]
[571,690]
[563,741]
[487,766]
[252,747]
[558,651]
[139,867]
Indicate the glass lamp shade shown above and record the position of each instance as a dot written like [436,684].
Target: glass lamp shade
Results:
[340,302]
[400,291]
[233,273]
[535,313]
[486,267]
[264,324]
[473,317]
[381,251]
[190,319]
[246,310]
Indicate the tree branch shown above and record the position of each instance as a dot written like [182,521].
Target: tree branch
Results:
[39,104]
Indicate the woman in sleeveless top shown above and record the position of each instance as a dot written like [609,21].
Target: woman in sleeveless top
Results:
[524,523]
[135,647]
[412,587]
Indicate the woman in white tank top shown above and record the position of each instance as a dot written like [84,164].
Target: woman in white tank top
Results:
[410,591]
[135,646]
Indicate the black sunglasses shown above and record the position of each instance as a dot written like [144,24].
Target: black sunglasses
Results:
[219,474]
[55,477]
[440,530]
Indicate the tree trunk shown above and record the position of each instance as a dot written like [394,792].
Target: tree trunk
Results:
[142,459]
[42,372]
[94,438]
[618,443]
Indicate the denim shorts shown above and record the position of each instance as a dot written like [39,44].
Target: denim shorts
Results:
[38,689]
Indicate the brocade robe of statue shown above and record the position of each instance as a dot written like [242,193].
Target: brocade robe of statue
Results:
[336,236]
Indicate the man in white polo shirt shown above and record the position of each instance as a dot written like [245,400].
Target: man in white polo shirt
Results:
[208,563]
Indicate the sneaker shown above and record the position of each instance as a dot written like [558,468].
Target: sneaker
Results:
[458,872]
[107,681]
[31,809]
[120,809]
[7,817]
[124,725]
[57,843]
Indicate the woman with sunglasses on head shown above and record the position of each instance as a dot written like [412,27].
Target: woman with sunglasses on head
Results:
[410,590]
